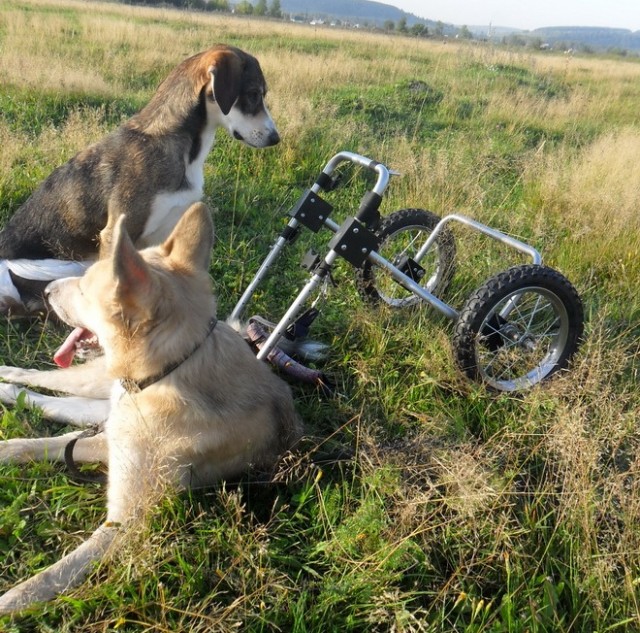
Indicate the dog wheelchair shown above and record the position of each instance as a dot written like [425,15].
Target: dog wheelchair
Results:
[513,332]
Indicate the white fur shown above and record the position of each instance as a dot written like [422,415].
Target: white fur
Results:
[168,208]
[254,130]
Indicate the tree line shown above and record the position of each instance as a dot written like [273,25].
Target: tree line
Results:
[273,9]
[244,7]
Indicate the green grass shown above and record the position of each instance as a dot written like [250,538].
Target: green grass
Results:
[460,510]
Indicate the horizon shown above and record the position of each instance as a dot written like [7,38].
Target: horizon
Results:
[618,14]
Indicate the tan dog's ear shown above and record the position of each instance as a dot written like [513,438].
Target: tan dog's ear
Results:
[190,243]
[130,271]
[106,238]
[226,79]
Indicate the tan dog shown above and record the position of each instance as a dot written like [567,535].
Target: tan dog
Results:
[190,404]
[151,168]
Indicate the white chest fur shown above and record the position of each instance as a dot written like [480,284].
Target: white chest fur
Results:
[168,206]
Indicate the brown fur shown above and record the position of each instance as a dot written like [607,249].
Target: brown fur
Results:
[150,168]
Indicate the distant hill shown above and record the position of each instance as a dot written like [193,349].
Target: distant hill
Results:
[369,13]
[595,37]
[355,12]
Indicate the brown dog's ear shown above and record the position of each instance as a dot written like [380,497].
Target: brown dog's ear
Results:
[226,79]
[190,243]
[130,271]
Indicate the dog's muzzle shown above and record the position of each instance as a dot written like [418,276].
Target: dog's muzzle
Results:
[270,141]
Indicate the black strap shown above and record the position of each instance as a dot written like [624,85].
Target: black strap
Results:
[92,477]
[131,386]
[134,386]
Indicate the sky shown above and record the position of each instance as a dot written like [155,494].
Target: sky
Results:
[527,14]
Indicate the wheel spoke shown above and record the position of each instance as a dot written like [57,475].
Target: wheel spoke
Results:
[391,291]
[519,327]
[533,312]
[532,319]
[554,325]
[403,234]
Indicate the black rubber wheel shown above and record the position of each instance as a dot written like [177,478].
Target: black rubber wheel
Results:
[401,235]
[519,328]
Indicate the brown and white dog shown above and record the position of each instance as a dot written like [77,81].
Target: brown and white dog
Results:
[190,403]
[151,169]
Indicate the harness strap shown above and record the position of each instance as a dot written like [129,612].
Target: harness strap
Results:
[97,477]
[130,386]
[135,386]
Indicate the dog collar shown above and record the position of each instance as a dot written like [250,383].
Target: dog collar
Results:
[135,386]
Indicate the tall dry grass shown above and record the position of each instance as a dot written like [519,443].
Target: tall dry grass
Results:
[597,186]
[461,511]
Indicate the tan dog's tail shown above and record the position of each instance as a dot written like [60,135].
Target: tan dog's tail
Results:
[68,572]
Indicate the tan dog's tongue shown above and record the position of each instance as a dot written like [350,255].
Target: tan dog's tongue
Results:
[64,356]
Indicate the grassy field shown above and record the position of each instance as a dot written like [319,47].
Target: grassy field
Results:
[461,510]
